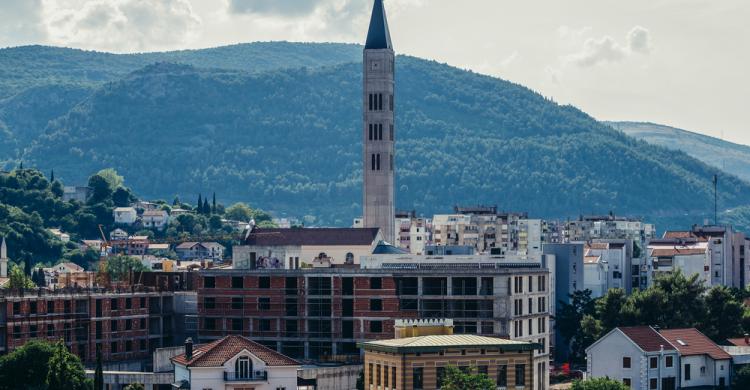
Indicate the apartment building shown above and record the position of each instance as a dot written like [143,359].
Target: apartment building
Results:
[320,314]
[126,326]
[412,232]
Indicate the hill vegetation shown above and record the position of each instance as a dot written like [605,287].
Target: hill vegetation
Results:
[727,156]
[288,140]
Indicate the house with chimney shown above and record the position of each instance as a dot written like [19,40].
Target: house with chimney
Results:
[234,362]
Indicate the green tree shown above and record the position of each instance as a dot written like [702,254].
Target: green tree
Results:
[99,371]
[213,204]
[65,370]
[239,212]
[119,267]
[568,319]
[18,279]
[455,379]
[26,367]
[741,379]
[122,197]
[214,223]
[199,207]
[206,207]
[591,330]
[682,299]
[724,315]
[608,308]
[113,179]
[599,384]
[100,190]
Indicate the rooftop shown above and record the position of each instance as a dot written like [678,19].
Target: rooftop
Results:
[312,236]
[378,36]
[691,342]
[647,338]
[217,353]
[670,252]
[440,342]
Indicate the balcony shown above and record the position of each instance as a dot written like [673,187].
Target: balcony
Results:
[257,376]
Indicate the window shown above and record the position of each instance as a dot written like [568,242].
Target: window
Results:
[128,345]
[417,378]
[531,326]
[264,304]
[391,102]
[377,374]
[347,286]
[391,158]
[372,162]
[142,303]
[209,323]
[376,283]
[377,159]
[347,307]
[531,285]
[376,326]
[502,376]
[380,132]
[376,304]
[541,283]
[380,102]
[33,331]
[653,363]
[369,137]
[16,308]
[112,304]
[668,361]
[128,324]
[370,374]
[237,324]
[209,303]
[236,303]
[371,99]
[128,303]
[209,282]
[687,372]
[32,307]
[391,132]
[626,381]
[264,282]
[265,325]
[113,326]
[652,383]
[520,375]
[237,282]
[51,329]
[243,368]
[51,306]
[113,347]
[386,382]
[626,362]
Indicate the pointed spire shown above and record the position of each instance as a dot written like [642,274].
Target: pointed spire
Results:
[378,37]
[3,250]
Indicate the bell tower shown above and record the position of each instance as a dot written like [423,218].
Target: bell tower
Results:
[379,126]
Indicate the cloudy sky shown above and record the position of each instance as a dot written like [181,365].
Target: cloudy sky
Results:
[683,63]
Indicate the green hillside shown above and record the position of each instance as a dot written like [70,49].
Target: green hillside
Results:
[727,156]
[289,141]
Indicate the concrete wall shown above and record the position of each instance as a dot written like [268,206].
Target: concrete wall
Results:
[333,378]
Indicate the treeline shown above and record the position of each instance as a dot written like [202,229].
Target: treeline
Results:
[673,301]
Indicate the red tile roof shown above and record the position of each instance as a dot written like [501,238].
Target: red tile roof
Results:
[692,342]
[646,338]
[312,236]
[217,353]
[739,342]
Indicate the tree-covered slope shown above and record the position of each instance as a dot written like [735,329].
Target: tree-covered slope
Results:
[727,156]
[290,141]
[30,66]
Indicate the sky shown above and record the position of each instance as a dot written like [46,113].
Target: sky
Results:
[682,63]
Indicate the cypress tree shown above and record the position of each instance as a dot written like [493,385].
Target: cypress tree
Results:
[52,176]
[213,208]
[206,207]
[199,209]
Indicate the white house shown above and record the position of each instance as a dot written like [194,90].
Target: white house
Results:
[703,364]
[156,219]
[234,362]
[638,356]
[200,251]
[118,234]
[125,215]
[595,275]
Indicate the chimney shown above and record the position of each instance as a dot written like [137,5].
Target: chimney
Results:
[188,348]
[747,338]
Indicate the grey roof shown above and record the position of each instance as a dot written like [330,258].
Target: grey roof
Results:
[312,236]
[439,342]
[378,36]
[385,248]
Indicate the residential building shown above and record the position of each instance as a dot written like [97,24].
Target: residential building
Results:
[118,234]
[320,314]
[80,194]
[638,356]
[566,274]
[64,237]
[125,326]
[95,245]
[412,232]
[378,127]
[234,362]
[132,246]
[292,248]
[595,272]
[125,215]
[155,219]
[200,251]
[143,206]
[420,362]
[606,264]
[703,364]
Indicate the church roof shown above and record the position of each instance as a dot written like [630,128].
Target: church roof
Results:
[378,36]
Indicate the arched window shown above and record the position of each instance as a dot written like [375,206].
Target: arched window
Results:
[243,368]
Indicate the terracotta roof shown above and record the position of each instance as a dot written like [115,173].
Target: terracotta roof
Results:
[740,342]
[678,234]
[646,338]
[312,236]
[217,353]
[691,342]
[669,252]
[598,245]
[72,266]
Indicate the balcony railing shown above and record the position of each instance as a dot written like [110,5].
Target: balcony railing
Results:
[245,377]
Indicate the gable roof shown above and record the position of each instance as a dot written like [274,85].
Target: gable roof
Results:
[646,338]
[690,342]
[312,236]
[217,353]
[739,342]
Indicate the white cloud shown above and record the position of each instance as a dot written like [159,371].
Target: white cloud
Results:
[21,22]
[606,49]
[120,25]
[273,7]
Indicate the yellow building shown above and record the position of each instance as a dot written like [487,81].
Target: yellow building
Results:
[415,363]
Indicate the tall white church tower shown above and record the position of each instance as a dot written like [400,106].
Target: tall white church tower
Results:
[378,134]
[3,260]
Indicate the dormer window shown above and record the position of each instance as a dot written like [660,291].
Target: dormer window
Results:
[243,368]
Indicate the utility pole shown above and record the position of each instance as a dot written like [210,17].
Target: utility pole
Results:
[716,200]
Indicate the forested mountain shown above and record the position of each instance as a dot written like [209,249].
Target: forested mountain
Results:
[727,156]
[288,140]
